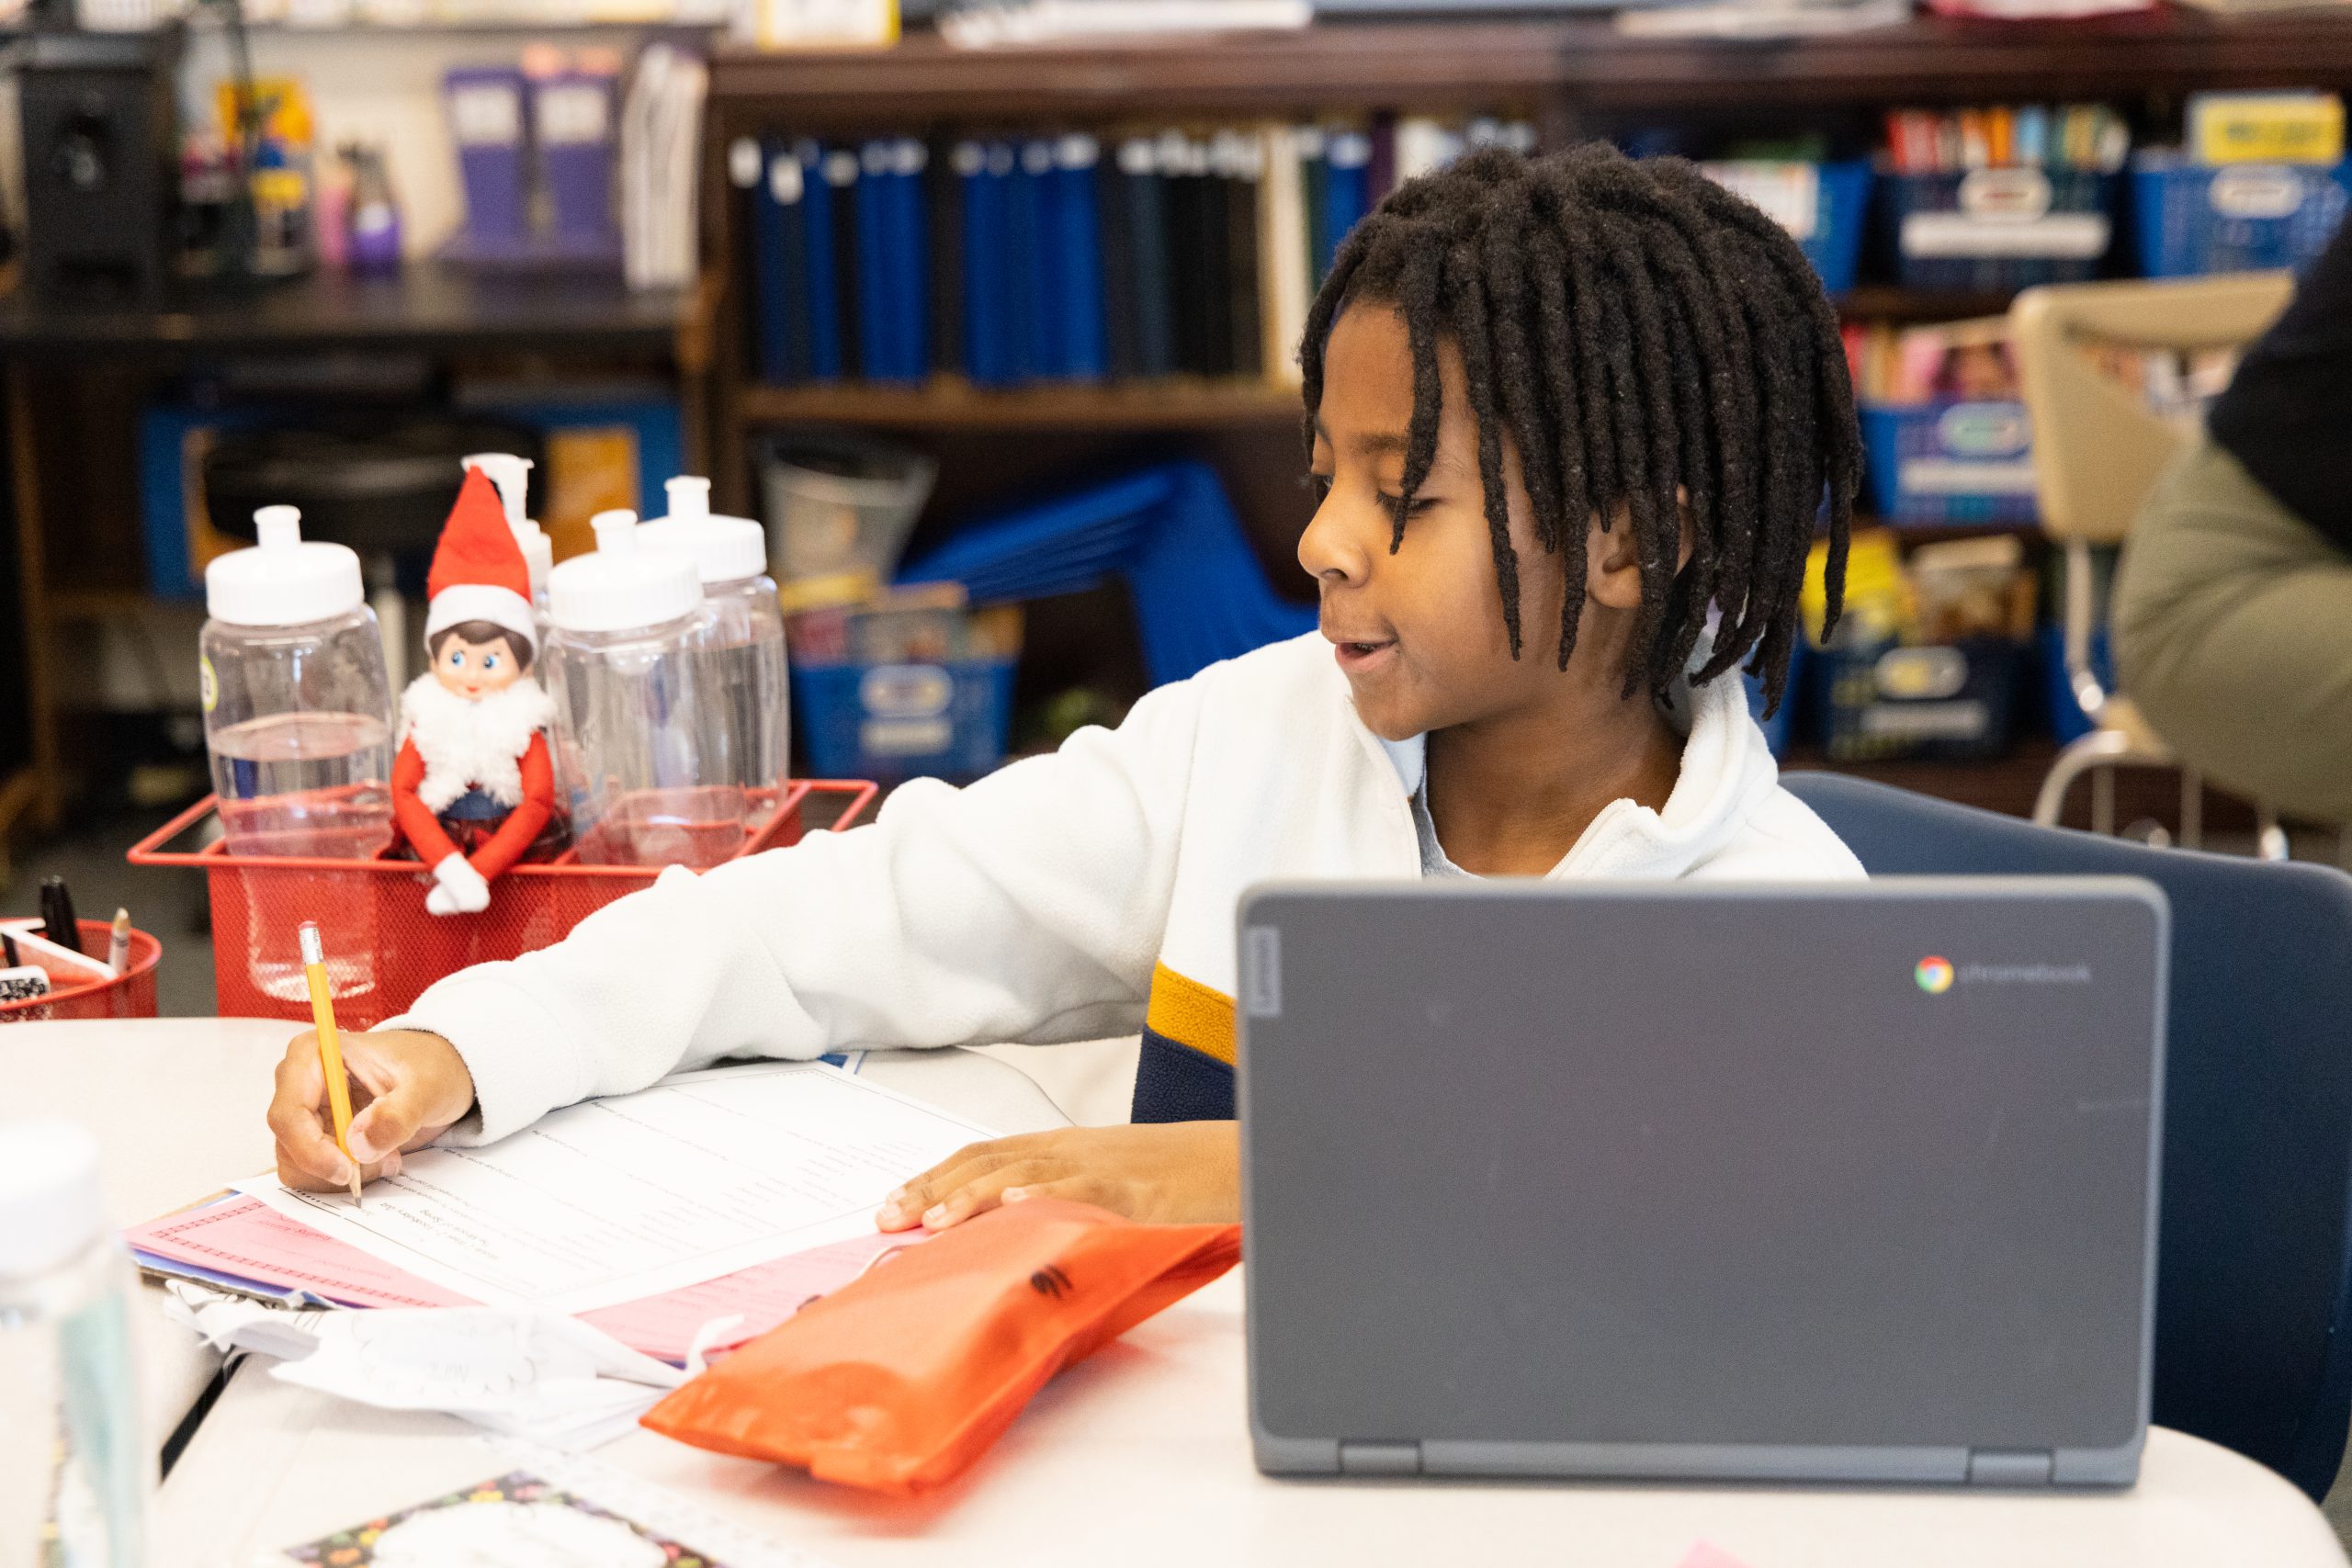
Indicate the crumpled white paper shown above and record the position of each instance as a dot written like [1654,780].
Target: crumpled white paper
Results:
[533,1374]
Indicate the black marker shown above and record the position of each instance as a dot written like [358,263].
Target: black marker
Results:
[57,915]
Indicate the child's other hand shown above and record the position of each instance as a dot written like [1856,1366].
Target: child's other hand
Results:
[1169,1172]
[406,1088]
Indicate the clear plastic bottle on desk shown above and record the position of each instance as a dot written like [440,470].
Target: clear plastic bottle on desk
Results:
[634,726]
[298,712]
[76,1470]
[743,642]
[512,475]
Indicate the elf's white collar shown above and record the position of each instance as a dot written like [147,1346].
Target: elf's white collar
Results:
[469,744]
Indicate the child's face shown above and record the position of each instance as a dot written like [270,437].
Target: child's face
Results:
[1420,634]
[475,670]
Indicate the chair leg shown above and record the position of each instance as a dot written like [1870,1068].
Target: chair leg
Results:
[2103,801]
[2101,749]
[2192,809]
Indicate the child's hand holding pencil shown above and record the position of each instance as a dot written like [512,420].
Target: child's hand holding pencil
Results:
[406,1088]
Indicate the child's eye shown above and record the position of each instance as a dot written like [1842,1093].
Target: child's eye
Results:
[1320,484]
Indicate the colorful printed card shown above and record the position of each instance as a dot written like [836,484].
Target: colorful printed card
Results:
[514,1521]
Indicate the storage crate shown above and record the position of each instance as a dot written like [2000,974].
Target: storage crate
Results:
[78,993]
[1946,702]
[892,722]
[1950,462]
[382,947]
[2193,219]
[1824,207]
[1996,230]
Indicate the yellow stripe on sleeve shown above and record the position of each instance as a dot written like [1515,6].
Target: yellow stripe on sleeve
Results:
[1187,1013]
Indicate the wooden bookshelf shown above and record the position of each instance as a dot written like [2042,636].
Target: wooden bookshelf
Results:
[1572,76]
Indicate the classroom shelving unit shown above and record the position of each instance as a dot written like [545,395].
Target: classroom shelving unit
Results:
[1571,77]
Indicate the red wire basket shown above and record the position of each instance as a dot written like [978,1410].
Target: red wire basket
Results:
[382,946]
[77,993]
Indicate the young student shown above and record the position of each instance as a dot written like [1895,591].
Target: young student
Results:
[1573,419]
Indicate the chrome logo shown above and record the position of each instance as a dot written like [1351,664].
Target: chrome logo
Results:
[1934,976]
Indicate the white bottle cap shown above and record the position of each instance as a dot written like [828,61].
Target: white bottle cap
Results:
[725,549]
[622,586]
[512,475]
[285,581]
[49,1204]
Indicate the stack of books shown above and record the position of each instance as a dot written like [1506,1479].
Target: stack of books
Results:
[1071,257]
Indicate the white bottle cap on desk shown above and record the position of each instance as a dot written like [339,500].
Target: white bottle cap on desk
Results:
[49,1204]
[285,581]
[725,549]
[623,585]
[512,475]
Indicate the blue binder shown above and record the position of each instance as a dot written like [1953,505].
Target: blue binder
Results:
[910,275]
[877,334]
[823,295]
[1078,243]
[983,172]
[1032,311]
[1347,191]
[776,282]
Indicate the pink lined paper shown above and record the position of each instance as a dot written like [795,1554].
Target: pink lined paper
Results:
[242,1237]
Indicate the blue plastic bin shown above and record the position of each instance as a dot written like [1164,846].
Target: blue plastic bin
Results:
[1950,462]
[894,722]
[1994,230]
[1952,703]
[2191,219]
[1828,227]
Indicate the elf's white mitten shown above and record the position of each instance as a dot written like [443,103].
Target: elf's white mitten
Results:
[459,888]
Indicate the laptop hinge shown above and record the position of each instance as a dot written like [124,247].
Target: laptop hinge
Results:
[1358,1457]
[2008,1467]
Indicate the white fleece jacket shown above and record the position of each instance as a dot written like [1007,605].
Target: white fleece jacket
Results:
[1072,896]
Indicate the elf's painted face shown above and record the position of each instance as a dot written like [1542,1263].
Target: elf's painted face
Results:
[474,669]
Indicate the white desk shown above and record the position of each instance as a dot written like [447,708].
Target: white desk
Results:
[1140,1457]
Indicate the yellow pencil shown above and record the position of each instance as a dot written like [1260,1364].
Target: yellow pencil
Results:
[314,970]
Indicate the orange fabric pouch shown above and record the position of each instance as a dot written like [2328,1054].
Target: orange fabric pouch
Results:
[900,1378]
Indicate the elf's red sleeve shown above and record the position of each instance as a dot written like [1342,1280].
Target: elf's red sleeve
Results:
[418,825]
[522,826]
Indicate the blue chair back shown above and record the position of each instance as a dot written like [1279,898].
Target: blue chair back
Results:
[2253,1264]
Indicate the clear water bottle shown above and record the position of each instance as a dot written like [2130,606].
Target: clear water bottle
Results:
[512,475]
[76,1469]
[635,727]
[298,711]
[744,662]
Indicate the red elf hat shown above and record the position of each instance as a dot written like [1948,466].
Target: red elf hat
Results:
[479,573]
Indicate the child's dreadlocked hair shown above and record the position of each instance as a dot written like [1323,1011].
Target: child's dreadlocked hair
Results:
[1635,327]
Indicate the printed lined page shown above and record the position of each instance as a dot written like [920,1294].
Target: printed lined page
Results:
[615,1199]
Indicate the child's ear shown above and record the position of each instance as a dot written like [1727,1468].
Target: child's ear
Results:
[1614,558]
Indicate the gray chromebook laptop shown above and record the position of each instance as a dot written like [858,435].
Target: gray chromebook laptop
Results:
[1826,1183]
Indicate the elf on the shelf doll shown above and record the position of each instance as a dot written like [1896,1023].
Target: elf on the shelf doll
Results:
[473,787]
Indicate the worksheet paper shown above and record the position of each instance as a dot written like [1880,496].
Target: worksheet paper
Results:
[617,1200]
[240,1242]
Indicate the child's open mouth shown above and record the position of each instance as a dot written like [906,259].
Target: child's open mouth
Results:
[1356,658]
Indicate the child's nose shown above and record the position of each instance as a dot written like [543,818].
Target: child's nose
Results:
[1333,548]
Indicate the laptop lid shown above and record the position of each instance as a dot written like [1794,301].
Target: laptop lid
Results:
[1839,1182]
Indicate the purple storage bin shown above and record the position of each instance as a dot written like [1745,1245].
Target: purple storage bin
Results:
[575,120]
[485,108]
